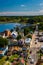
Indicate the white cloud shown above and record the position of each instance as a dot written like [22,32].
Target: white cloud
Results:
[41,4]
[41,11]
[22,5]
[29,13]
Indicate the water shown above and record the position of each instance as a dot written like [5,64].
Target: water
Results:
[9,26]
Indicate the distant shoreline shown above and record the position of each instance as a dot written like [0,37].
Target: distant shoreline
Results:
[2,22]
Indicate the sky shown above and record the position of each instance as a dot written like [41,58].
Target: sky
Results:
[21,7]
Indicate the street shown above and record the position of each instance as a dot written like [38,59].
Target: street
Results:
[33,55]
[34,48]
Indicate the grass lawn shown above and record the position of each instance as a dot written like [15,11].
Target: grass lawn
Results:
[11,58]
[2,60]
[7,63]
[41,64]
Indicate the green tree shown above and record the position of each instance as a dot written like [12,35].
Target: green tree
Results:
[31,21]
[17,28]
[26,31]
[3,42]
[19,37]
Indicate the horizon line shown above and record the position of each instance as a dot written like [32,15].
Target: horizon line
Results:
[27,13]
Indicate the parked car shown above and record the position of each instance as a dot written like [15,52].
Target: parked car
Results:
[27,41]
[41,49]
[29,57]
[32,61]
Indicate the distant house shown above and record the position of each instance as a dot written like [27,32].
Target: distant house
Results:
[13,44]
[27,41]
[24,48]
[41,39]
[6,33]
[15,50]
[40,33]
[22,62]
[20,43]
[14,34]
[3,51]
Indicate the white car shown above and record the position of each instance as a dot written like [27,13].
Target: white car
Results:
[29,57]
[32,61]
[41,49]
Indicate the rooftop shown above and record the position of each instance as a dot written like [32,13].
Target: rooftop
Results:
[1,50]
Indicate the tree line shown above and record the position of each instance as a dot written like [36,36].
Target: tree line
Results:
[22,19]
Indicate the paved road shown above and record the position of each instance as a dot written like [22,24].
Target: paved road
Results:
[33,55]
[32,44]
[34,47]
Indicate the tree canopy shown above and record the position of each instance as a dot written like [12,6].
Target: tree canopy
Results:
[19,37]
[3,42]
[22,19]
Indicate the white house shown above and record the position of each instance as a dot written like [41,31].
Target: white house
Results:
[3,51]
[27,41]
[14,34]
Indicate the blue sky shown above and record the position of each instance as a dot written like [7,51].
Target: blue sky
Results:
[21,7]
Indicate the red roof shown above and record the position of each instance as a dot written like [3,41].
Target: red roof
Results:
[22,61]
